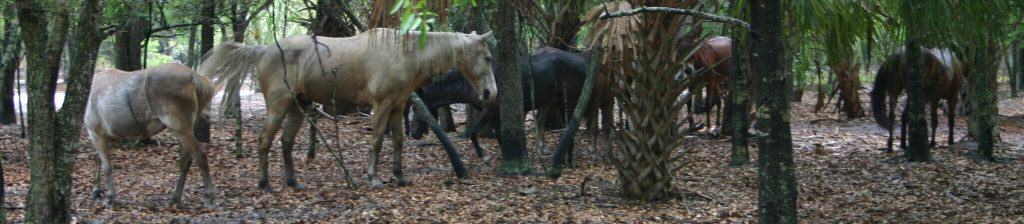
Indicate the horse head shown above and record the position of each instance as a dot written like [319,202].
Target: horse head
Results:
[475,66]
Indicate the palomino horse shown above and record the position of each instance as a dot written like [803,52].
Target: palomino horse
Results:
[943,76]
[552,71]
[714,59]
[140,104]
[380,67]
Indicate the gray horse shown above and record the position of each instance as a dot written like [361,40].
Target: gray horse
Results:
[140,104]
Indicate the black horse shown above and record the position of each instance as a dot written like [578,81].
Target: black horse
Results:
[552,71]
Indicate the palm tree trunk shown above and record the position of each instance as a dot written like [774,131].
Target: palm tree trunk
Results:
[777,188]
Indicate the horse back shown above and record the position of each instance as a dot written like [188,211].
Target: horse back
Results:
[131,104]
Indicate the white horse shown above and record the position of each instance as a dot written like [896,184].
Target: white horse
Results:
[380,67]
[140,104]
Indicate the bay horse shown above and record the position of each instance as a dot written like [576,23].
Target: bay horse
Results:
[712,63]
[379,67]
[943,75]
[552,71]
[140,104]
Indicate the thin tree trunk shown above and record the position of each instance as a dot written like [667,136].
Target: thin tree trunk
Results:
[1020,64]
[982,91]
[918,149]
[1011,70]
[739,93]
[8,83]
[512,137]
[776,179]
[206,38]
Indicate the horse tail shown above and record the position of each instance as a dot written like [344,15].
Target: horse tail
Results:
[230,62]
[204,91]
[878,93]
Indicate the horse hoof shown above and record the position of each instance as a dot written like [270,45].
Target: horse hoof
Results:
[297,186]
[107,202]
[403,182]
[97,194]
[376,184]
[209,204]
[267,189]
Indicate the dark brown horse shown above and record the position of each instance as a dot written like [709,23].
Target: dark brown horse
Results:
[140,104]
[943,77]
[712,65]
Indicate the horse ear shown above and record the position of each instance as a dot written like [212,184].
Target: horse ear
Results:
[486,35]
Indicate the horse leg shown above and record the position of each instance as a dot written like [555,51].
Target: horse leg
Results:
[539,131]
[397,146]
[292,124]
[275,115]
[102,144]
[184,162]
[380,124]
[485,118]
[718,114]
[190,151]
[892,115]
[951,118]
[903,129]
[935,120]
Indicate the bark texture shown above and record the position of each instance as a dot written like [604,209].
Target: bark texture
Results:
[776,178]
[739,93]
[918,149]
[512,135]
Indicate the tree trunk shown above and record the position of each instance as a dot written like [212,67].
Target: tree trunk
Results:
[11,59]
[739,92]
[128,44]
[918,149]
[380,16]
[330,23]
[206,17]
[1011,70]
[1020,65]
[512,137]
[848,86]
[776,178]
[45,202]
[982,91]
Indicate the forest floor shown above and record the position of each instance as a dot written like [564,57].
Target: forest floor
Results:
[842,176]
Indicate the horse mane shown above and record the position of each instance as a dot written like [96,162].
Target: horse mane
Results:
[452,47]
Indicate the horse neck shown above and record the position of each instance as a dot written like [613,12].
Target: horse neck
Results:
[441,52]
[451,87]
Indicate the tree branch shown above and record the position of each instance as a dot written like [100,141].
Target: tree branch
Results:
[698,14]
[161,29]
[351,16]
[256,12]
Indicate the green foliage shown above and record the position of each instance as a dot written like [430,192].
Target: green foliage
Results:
[417,16]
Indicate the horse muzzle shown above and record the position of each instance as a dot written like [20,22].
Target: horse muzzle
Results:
[489,97]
